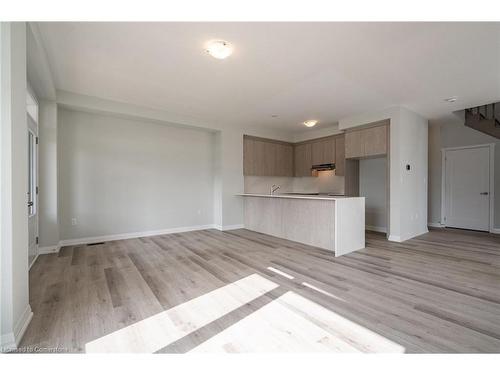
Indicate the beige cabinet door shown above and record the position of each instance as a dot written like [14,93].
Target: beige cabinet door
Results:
[340,156]
[329,150]
[248,157]
[323,151]
[303,159]
[366,142]
[267,158]
[317,152]
[284,160]
[374,141]
[353,144]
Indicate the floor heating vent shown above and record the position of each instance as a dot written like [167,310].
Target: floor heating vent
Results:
[95,243]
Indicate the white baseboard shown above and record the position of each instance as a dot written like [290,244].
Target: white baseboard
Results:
[376,229]
[232,227]
[7,342]
[495,230]
[125,236]
[435,225]
[11,340]
[49,249]
[394,238]
[408,237]
[22,324]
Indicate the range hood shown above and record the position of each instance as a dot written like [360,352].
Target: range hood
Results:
[323,167]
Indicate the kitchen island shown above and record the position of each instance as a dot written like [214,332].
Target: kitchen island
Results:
[329,222]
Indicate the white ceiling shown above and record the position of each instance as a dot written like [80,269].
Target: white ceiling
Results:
[297,71]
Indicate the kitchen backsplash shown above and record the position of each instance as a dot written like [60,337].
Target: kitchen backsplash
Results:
[326,182]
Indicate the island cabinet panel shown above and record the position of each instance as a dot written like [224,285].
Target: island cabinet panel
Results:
[263,157]
[367,142]
[303,159]
[323,151]
[340,156]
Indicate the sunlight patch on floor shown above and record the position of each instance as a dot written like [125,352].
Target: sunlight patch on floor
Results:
[153,333]
[284,274]
[292,323]
[319,290]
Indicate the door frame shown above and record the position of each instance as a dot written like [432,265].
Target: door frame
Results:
[35,132]
[491,147]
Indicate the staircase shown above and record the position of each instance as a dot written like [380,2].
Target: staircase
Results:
[485,118]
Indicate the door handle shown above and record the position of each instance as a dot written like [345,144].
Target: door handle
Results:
[484,193]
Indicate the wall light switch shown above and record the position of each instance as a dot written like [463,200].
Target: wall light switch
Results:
[73,221]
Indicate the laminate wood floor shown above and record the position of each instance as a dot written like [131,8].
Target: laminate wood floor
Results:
[241,291]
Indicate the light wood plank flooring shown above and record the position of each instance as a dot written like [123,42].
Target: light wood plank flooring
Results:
[241,291]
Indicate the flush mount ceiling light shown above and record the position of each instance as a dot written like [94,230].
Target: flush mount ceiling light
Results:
[451,99]
[219,49]
[310,123]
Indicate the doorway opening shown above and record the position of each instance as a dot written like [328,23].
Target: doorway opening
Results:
[32,199]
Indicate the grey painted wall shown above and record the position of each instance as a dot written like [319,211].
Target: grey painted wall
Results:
[120,175]
[455,134]
[47,161]
[373,186]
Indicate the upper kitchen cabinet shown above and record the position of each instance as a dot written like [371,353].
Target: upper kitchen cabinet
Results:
[267,157]
[323,151]
[340,156]
[366,142]
[284,160]
[303,159]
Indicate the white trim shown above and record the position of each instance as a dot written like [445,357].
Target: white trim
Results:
[124,236]
[467,147]
[10,341]
[7,342]
[22,324]
[435,225]
[34,259]
[232,227]
[495,230]
[407,237]
[394,238]
[376,229]
[49,249]
[491,147]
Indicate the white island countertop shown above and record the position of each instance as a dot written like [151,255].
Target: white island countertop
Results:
[297,196]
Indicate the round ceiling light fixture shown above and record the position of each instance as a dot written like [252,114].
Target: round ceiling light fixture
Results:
[310,123]
[220,49]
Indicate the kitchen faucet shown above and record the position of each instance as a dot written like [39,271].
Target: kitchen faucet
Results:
[274,188]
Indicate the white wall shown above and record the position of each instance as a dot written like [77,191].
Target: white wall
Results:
[120,175]
[47,197]
[373,186]
[15,309]
[408,189]
[455,134]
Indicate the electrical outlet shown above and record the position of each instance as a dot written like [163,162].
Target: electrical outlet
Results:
[73,221]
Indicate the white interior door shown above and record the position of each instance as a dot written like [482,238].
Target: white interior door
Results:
[467,188]
[32,190]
